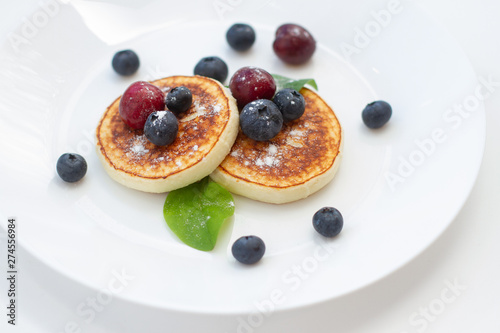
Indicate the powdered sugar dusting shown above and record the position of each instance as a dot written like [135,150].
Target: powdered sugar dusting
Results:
[271,158]
[159,116]
[272,149]
[297,133]
[138,148]
[270,161]
[295,137]
[199,110]
[235,153]
[291,142]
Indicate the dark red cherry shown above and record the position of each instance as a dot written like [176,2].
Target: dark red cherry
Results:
[139,101]
[251,83]
[294,44]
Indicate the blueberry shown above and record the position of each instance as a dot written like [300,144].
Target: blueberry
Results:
[161,128]
[71,167]
[248,249]
[125,62]
[261,120]
[213,67]
[291,104]
[377,114]
[179,99]
[240,36]
[328,221]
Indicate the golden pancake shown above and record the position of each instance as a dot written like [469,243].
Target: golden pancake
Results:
[299,161]
[206,133]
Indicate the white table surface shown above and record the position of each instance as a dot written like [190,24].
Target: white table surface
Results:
[416,298]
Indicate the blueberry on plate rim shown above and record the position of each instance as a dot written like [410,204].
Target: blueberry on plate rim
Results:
[291,103]
[240,36]
[212,67]
[161,128]
[376,114]
[261,120]
[125,62]
[248,249]
[328,221]
[179,99]
[71,167]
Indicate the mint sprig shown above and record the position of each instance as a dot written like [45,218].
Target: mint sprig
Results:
[286,82]
[196,213]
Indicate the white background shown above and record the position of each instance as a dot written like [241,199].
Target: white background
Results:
[467,253]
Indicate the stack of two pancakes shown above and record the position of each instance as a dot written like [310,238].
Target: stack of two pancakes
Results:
[302,159]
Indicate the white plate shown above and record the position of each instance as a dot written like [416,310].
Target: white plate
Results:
[59,82]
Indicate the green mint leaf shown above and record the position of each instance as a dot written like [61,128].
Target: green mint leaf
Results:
[286,82]
[196,213]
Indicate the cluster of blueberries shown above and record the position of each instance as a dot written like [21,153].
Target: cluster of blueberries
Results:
[162,126]
[261,118]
